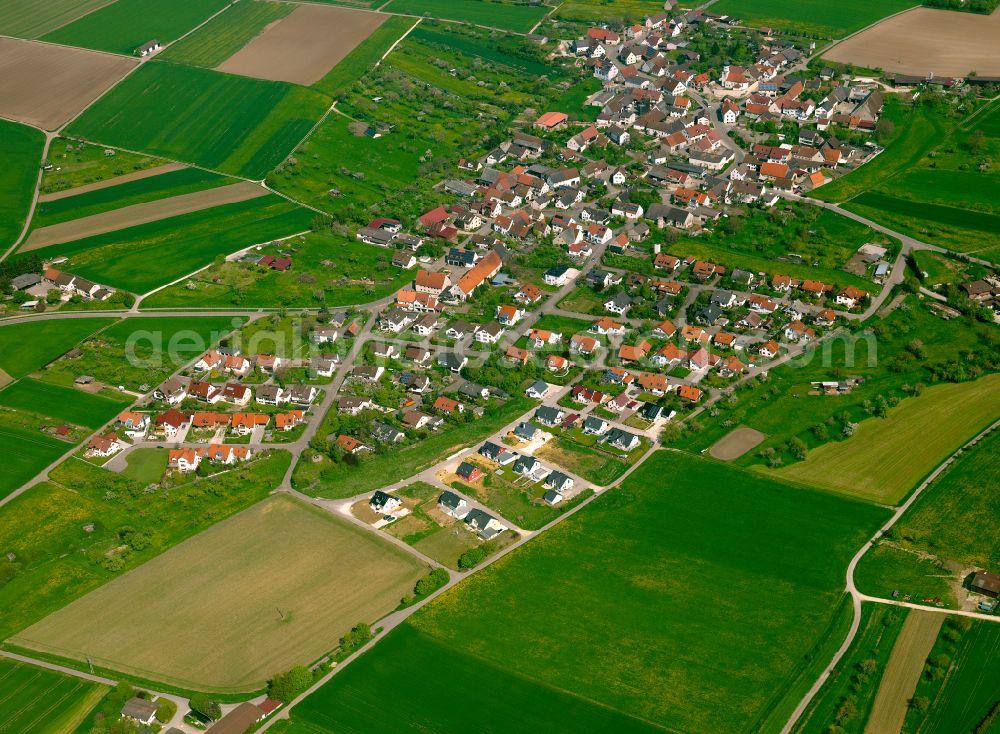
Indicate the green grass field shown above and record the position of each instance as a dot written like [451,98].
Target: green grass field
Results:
[849,688]
[76,164]
[354,273]
[936,530]
[124,25]
[146,466]
[502,15]
[29,450]
[362,57]
[141,352]
[25,347]
[494,53]
[879,462]
[969,691]
[221,121]
[146,256]
[21,151]
[621,11]
[719,594]
[291,605]
[40,701]
[810,16]
[31,19]
[62,557]
[226,34]
[163,186]
[61,403]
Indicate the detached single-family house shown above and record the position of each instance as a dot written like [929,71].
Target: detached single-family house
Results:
[622,440]
[559,482]
[383,502]
[451,504]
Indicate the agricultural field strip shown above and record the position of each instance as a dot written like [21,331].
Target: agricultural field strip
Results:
[136,214]
[111,182]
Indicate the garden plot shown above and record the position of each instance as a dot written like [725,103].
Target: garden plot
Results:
[303,46]
[736,443]
[47,86]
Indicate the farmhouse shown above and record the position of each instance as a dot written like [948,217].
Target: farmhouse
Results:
[140,710]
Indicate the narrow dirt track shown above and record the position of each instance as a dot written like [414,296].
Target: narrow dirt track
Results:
[151,211]
[903,671]
[109,182]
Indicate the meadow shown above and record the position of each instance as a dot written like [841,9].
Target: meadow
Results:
[503,15]
[226,34]
[146,466]
[21,152]
[63,404]
[346,272]
[28,449]
[811,16]
[362,57]
[497,51]
[144,257]
[153,188]
[621,11]
[24,347]
[140,352]
[124,25]
[878,462]
[43,702]
[65,532]
[742,600]
[76,163]
[31,19]
[256,613]
[220,121]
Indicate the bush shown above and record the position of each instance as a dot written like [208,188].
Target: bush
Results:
[474,556]
[206,706]
[286,686]
[431,583]
[359,635]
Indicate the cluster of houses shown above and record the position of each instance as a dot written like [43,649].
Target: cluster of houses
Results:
[68,284]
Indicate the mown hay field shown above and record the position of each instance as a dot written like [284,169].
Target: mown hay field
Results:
[226,610]
[62,404]
[40,701]
[697,580]
[27,346]
[122,26]
[224,122]
[886,458]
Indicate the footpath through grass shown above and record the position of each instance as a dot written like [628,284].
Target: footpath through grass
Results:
[723,588]
[362,57]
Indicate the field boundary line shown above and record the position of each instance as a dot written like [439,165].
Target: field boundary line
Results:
[74,20]
[395,43]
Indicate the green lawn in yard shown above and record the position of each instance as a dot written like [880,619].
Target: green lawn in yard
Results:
[21,152]
[509,16]
[346,272]
[59,403]
[62,529]
[227,33]
[144,257]
[122,26]
[146,466]
[26,346]
[811,16]
[697,580]
[41,701]
[225,122]
[163,186]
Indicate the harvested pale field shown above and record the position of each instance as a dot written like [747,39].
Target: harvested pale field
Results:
[736,443]
[902,673]
[47,86]
[274,586]
[150,211]
[926,40]
[108,183]
[303,46]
